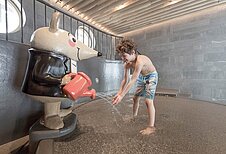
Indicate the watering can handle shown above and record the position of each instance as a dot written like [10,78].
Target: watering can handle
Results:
[72,75]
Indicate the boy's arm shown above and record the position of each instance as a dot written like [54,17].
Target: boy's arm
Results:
[135,75]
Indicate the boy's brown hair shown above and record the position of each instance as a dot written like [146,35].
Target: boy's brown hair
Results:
[126,46]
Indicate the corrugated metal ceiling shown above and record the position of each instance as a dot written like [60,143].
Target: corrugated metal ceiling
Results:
[121,16]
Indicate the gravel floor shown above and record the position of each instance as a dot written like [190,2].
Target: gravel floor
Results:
[184,126]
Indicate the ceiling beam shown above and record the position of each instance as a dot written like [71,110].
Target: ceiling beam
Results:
[91,5]
[108,8]
[133,5]
[164,18]
[99,7]
[165,15]
[85,3]
[139,12]
[160,13]
[73,4]
[155,9]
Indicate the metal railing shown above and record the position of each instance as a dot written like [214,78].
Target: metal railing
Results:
[38,14]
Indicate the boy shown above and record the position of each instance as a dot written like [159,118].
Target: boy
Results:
[146,76]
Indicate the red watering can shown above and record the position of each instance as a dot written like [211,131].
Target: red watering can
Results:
[78,86]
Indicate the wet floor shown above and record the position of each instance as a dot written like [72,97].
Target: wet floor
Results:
[184,126]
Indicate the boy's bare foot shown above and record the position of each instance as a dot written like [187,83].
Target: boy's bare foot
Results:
[148,131]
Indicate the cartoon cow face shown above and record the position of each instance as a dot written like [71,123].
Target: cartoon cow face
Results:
[60,41]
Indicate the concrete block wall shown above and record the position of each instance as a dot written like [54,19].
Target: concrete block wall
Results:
[189,53]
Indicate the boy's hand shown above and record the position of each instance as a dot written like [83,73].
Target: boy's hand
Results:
[115,96]
[116,99]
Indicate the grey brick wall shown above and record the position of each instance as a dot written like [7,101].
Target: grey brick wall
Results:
[189,53]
